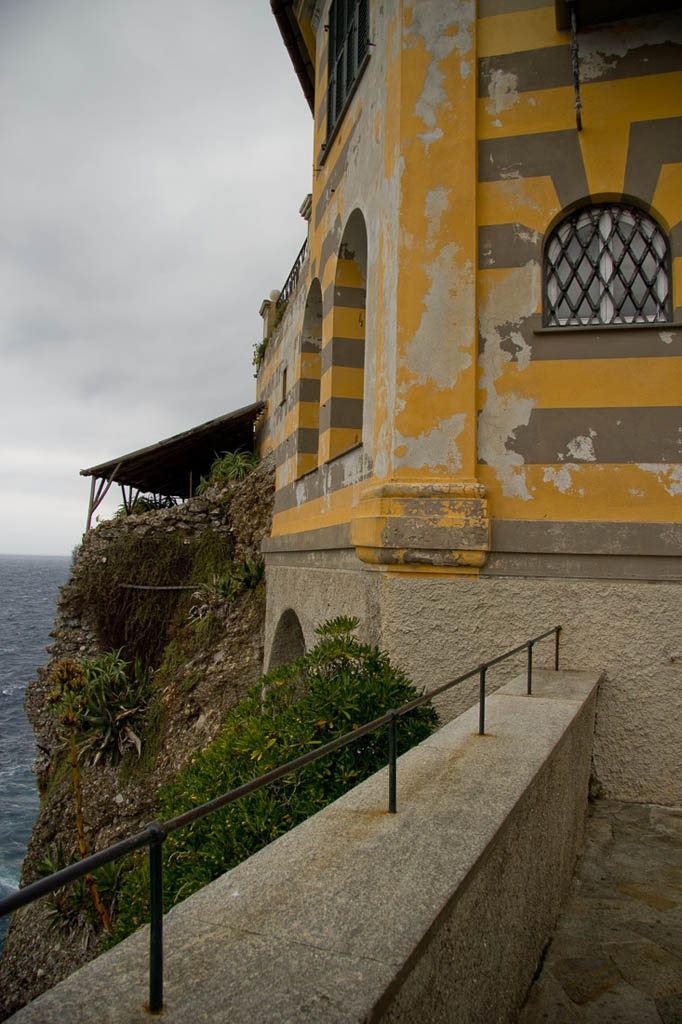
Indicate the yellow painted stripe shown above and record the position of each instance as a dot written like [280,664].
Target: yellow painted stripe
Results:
[332,510]
[529,201]
[306,462]
[308,415]
[342,382]
[520,30]
[349,274]
[349,322]
[593,383]
[585,492]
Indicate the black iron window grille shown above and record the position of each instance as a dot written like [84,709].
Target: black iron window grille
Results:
[607,264]
[348,47]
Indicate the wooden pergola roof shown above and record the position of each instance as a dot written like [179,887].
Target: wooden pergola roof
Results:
[174,467]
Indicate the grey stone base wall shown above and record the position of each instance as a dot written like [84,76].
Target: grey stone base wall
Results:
[438,628]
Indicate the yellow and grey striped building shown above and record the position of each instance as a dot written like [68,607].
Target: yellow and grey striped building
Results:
[473,389]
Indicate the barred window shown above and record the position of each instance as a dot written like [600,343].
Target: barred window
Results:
[348,47]
[607,264]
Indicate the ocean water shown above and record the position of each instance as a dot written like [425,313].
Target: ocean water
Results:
[28,597]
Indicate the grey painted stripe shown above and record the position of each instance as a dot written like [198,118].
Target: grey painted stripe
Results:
[311,347]
[349,297]
[675,239]
[651,144]
[306,440]
[345,412]
[550,67]
[307,390]
[353,298]
[632,342]
[343,352]
[602,538]
[331,476]
[325,539]
[546,68]
[648,434]
[591,567]
[556,154]
[508,245]
[303,440]
[489,8]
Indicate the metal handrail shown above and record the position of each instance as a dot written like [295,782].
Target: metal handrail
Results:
[155,833]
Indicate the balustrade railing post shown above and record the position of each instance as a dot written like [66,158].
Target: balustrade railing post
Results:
[481,699]
[557,630]
[529,678]
[392,761]
[156,921]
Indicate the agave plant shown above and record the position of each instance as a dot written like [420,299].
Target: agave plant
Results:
[116,694]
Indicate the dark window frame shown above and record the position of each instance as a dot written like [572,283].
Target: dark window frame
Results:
[607,264]
[348,54]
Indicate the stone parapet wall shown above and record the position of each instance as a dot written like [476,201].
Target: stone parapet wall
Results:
[439,912]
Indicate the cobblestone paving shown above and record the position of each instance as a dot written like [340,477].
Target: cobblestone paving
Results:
[616,954]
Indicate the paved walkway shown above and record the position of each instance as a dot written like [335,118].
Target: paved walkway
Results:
[616,955]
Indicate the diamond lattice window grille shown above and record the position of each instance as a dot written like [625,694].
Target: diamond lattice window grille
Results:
[607,264]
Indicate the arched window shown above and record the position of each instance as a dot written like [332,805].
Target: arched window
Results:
[607,264]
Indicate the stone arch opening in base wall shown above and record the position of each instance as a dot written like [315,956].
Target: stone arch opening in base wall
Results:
[288,642]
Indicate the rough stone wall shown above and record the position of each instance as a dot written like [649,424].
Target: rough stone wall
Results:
[119,801]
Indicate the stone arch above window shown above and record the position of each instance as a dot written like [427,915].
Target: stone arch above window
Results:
[607,263]
[288,643]
[343,356]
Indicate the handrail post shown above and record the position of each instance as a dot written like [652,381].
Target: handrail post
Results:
[392,763]
[557,630]
[156,922]
[482,669]
[529,679]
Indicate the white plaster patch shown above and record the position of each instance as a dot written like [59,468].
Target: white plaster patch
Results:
[514,299]
[522,350]
[503,91]
[433,353]
[581,449]
[435,30]
[435,206]
[561,478]
[670,476]
[464,68]
[666,337]
[431,449]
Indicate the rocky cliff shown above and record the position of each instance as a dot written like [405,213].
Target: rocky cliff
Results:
[178,590]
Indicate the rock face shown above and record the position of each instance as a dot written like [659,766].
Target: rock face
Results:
[199,674]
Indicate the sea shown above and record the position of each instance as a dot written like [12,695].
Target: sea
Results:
[28,599]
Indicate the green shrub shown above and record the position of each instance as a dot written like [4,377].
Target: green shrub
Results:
[340,684]
[228,468]
[147,503]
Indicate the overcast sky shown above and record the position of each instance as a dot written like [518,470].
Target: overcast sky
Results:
[154,156]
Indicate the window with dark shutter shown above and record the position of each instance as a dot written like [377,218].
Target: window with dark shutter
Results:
[607,264]
[348,48]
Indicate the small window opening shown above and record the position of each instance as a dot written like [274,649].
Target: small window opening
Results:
[607,264]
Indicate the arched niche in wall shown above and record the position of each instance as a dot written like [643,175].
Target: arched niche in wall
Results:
[288,642]
[343,357]
[308,407]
